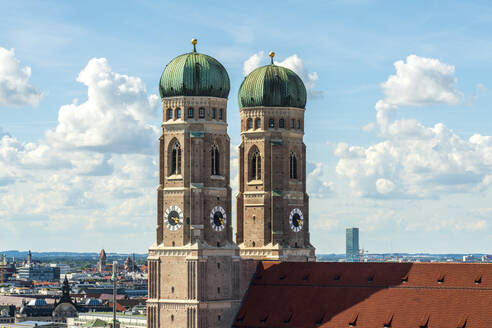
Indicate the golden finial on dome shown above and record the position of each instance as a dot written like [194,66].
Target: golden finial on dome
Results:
[194,42]
[271,54]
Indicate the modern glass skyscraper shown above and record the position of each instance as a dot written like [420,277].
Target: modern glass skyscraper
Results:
[352,247]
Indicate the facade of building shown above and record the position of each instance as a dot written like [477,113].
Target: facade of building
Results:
[352,245]
[106,320]
[272,203]
[101,264]
[39,273]
[194,264]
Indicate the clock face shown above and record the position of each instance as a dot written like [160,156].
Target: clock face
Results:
[296,220]
[218,218]
[173,217]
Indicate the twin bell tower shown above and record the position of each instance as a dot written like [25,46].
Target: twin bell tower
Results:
[198,273]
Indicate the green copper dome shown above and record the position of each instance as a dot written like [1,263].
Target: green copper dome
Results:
[194,74]
[272,86]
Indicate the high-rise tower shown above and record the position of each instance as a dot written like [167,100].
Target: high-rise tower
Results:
[194,264]
[272,203]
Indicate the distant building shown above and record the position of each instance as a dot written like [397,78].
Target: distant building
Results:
[64,268]
[39,273]
[468,258]
[101,265]
[486,258]
[105,320]
[352,245]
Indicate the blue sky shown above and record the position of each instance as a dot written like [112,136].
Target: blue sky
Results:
[416,179]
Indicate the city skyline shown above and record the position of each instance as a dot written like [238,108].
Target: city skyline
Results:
[396,119]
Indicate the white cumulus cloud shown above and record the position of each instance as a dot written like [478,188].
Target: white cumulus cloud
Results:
[292,62]
[96,168]
[421,81]
[253,62]
[317,186]
[15,89]
[414,160]
[114,116]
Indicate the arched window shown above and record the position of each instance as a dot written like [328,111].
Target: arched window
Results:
[214,152]
[255,166]
[176,158]
[293,166]
[178,112]
[271,123]
[201,112]
[249,124]
[169,113]
[281,123]
[257,123]
[191,112]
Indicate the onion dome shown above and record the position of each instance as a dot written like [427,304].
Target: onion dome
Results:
[194,74]
[272,86]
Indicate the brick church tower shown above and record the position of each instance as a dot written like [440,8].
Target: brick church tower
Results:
[194,263]
[272,203]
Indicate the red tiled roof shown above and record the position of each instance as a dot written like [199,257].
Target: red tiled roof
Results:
[368,295]
[119,307]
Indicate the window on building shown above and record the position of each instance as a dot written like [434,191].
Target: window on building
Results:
[292,123]
[178,112]
[299,124]
[221,114]
[176,158]
[249,124]
[214,113]
[169,113]
[255,168]
[281,123]
[201,112]
[257,123]
[293,166]
[215,160]
[191,112]
[271,123]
